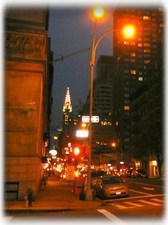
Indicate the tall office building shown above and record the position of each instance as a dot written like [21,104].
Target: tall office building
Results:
[67,107]
[103,88]
[133,57]
[103,132]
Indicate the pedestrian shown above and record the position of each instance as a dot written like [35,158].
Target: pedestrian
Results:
[29,193]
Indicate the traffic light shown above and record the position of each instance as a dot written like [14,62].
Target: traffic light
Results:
[76,151]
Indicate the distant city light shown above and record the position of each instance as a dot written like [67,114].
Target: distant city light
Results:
[53,152]
[82,133]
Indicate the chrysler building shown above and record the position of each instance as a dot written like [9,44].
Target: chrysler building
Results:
[67,107]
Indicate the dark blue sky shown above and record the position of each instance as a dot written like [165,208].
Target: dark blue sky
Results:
[71,30]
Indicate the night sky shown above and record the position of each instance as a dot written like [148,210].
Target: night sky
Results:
[70,30]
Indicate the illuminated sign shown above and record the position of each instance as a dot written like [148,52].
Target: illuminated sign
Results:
[94,119]
[82,133]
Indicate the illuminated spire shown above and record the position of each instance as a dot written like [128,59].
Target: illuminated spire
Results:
[67,107]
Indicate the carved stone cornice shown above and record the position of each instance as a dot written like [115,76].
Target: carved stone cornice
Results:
[29,46]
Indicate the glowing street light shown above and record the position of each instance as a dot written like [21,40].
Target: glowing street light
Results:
[98,12]
[128,32]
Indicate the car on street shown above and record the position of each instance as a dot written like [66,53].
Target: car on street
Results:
[110,187]
[140,173]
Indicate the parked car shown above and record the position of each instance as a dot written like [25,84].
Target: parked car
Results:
[140,173]
[110,187]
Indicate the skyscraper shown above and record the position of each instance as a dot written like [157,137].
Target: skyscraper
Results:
[133,57]
[67,107]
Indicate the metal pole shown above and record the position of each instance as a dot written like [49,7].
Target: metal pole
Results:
[95,44]
[89,195]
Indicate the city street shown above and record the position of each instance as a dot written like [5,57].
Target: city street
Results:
[84,105]
[145,202]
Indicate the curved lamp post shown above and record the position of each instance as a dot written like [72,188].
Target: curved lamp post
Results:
[128,31]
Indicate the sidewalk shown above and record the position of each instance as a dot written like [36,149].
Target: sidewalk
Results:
[56,196]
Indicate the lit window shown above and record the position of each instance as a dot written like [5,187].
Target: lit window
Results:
[147,50]
[140,78]
[126,107]
[116,123]
[146,18]
[147,61]
[133,54]
[147,44]
[133,72]
[139,44]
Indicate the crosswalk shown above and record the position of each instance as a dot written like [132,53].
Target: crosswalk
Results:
[138,203]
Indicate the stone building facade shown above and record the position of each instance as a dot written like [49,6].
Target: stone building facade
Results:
[27,76]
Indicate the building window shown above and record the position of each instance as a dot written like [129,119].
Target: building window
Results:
[147,44]
[140,78]
[133,72]
[133,54]
[146,61]
[126,107]
[126,71]
[126,59]
[126,101]
[147,50]
[146,18]
[146,39]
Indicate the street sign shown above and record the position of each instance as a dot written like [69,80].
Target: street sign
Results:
[94,119]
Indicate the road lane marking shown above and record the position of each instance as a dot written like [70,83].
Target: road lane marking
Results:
[119,206]
[154,185]
[139,192]
[112,217]
[131,198]
[134,204]
[149,203]
[149,189]
[128,204]
[157,200]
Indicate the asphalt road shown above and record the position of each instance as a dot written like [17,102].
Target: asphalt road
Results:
[145,204]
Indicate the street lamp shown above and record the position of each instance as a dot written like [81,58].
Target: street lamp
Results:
[98,13]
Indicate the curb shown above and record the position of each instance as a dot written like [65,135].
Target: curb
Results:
[31,211]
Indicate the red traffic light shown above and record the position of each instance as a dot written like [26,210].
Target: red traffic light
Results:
[76,151]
